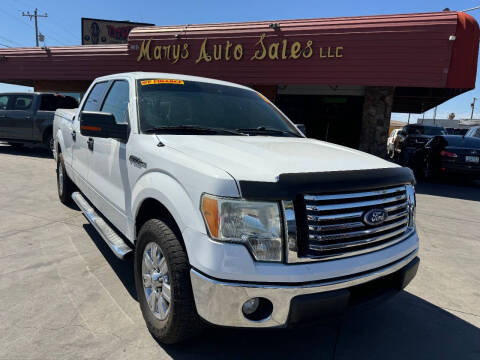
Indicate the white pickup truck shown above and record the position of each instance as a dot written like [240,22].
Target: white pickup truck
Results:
[234,217]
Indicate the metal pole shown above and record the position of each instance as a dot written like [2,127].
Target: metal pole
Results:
[35,16]
[408,118]
[36,26]
[473,107]
[434,115]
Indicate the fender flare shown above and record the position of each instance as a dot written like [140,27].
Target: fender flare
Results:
[59,142]
[165,189]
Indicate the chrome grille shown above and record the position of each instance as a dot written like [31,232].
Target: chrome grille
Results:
[336,227]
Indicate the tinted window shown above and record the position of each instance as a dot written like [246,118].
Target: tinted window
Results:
[116,101]
[22,102]
[51,102]
[95,97]
[4,102]
[206,105]
[424,130]
[477,133]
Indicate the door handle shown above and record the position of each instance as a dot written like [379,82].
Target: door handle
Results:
[90,143]
[74,135]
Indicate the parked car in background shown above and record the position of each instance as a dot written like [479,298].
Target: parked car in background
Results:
[411,138]
[456,131]
[28,117]
[234,216]
[391,142]
[474,131]
[448,155]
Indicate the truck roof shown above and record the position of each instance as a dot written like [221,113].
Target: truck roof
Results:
[136,75]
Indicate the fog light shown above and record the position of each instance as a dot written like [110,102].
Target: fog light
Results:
[250,306]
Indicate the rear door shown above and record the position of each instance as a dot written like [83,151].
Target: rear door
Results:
[81,152]
[108,171]
[19,117]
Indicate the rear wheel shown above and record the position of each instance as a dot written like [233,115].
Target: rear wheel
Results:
[162,279]
[65,186]
[49,142]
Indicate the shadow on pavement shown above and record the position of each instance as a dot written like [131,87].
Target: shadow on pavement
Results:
[38,151]
[405,327]
[123,268]
[453,188]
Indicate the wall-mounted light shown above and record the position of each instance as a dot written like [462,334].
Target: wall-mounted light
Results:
[274,26]
[452,38]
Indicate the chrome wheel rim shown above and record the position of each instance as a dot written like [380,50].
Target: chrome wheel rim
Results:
[60,178]
[156,283]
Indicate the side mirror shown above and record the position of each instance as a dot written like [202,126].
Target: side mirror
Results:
[102,125]
[302,128]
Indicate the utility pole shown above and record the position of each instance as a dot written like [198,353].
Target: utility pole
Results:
[408,118]
[434,115]
[35,15]
[473,107]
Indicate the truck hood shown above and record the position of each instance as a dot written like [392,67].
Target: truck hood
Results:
[263,158]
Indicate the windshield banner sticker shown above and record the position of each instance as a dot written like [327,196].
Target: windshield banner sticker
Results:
[161,81]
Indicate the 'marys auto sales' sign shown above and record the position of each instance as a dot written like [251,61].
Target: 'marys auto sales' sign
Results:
[212,51]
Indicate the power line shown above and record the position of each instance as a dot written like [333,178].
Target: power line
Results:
[35,15]
[473,8]
[4,45]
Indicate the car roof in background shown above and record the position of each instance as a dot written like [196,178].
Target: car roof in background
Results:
[455,140]
[424,126]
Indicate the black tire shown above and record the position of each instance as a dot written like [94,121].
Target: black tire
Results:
[49,143]
[65,185]
[182,321]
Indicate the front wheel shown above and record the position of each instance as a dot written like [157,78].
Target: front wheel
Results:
[162,280]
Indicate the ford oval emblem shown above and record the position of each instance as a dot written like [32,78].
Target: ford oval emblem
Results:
[375,217]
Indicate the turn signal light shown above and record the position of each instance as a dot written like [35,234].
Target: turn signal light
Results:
[210,213]
[449,154]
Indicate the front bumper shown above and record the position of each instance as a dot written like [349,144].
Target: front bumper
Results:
[220,302]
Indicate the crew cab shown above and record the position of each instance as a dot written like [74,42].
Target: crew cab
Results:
[233,216]
[28,117]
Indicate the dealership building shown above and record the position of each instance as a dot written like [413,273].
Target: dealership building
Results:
[341,77]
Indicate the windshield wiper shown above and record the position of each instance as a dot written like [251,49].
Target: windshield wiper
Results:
[265,130]
[192,129]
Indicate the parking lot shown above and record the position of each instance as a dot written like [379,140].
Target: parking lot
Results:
[64,295]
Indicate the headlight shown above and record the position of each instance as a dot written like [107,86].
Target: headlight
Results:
[411,204]
[253,223]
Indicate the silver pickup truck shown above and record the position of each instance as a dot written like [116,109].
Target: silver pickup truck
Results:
[28,117]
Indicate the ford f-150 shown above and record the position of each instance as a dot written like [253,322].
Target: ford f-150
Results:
[233,216]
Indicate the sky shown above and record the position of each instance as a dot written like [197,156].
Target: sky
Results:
[62,26]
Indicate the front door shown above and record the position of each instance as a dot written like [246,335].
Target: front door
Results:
[4,103]
[18,120]
[108,171]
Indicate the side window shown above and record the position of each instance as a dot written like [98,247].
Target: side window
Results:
[4,102]
[48,103]
[477,133]
[116,101]
[22,102]
[95,97]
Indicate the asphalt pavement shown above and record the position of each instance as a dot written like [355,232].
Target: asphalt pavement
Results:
[64,295]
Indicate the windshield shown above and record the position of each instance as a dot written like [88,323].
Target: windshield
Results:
[425,130]
[191,105]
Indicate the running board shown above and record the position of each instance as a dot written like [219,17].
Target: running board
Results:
[113,240]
